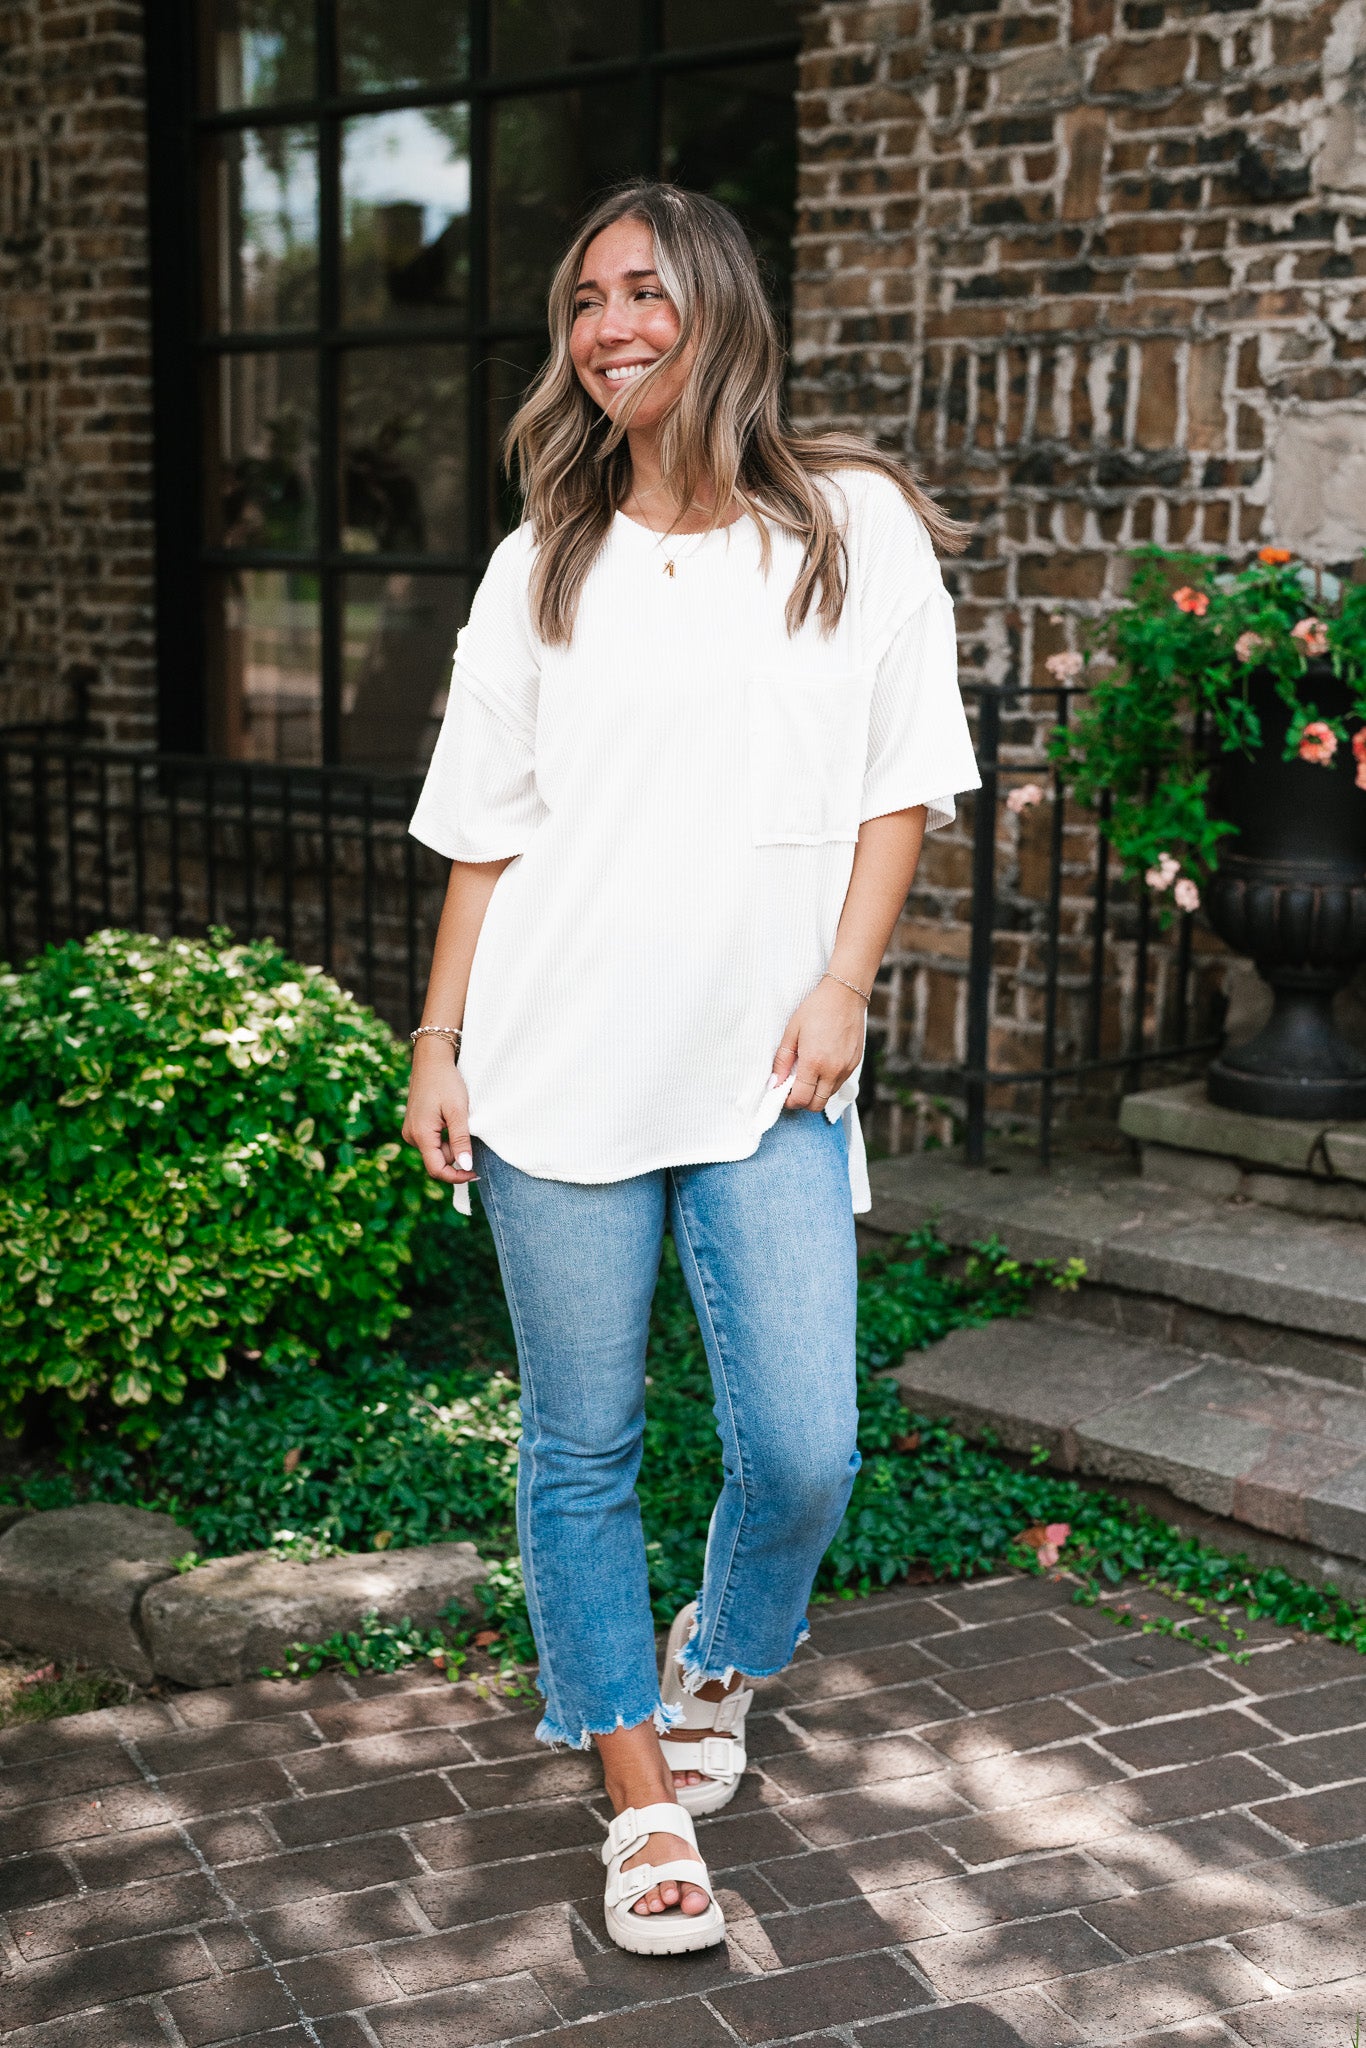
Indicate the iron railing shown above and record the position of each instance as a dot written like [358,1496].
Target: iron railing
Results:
[1114,944]
[1068,994]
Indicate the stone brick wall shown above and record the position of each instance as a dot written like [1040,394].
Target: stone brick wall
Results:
[1100,267]
[76,565]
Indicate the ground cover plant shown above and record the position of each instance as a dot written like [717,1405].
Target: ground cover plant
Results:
[418,1445]
[198,1164]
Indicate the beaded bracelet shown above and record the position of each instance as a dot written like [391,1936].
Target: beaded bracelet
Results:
[450,1031]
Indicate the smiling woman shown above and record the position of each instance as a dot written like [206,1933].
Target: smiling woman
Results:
[702,713]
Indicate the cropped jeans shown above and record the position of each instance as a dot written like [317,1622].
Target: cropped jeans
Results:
[766,1246]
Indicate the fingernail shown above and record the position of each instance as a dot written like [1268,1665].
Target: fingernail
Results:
[464,1161]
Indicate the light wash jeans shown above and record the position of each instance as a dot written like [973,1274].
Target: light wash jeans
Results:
[766,1245]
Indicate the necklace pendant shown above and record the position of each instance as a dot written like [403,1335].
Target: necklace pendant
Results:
[668,568]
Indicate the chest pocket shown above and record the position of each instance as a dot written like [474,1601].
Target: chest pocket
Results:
[808,746]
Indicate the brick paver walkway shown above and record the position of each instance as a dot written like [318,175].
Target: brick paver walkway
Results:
[980,1816]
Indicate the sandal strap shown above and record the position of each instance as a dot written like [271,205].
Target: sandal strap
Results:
[715,1756]
[634,1825]
[624,1887]
[725,1716]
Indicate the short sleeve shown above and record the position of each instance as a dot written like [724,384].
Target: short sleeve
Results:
[480,801]
[919,747]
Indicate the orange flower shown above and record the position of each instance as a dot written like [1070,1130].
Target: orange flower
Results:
[1274,558]
[1318,743]
[1188,600]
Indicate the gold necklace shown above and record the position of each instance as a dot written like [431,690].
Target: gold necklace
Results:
[670,561]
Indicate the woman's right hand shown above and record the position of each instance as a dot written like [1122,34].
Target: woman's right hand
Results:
[438,1119]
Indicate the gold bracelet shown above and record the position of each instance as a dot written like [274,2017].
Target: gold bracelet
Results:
[450,1031]
[866,993]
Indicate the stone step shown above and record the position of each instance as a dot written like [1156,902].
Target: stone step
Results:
[1225,1276]
[1259,1446]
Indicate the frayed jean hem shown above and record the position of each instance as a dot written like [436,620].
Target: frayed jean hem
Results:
[555,1735]
[695,1674]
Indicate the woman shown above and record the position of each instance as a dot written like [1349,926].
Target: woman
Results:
[703,710]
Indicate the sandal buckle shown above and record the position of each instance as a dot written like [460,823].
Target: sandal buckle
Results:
[720,1756]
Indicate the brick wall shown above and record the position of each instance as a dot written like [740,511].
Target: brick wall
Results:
[1100,267]
[75,394]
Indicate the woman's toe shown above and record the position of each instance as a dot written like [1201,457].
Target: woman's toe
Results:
[694,1901]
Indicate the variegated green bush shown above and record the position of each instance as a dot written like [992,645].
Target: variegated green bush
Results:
[199,1156]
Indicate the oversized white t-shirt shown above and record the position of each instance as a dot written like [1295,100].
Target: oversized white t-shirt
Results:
[680,790]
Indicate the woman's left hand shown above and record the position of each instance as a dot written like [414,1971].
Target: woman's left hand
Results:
[824,1042]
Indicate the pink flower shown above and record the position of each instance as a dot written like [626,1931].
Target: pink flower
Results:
[1361,774]
[1065,665]
[1246,645]
[1164,874]
[1186,894]
[1359,744]
[1188,600]
[1318,742]
[1312,635]
[1046,1541]
[1022,798]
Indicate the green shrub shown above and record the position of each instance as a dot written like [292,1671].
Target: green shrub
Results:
[200,1156]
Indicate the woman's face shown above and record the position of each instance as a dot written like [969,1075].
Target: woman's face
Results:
[623,322]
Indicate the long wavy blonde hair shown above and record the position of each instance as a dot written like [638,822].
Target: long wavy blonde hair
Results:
[726,435]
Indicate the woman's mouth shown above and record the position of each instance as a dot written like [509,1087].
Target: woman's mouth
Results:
[622,373]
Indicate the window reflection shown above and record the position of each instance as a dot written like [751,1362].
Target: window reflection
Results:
[266,653]
[733,133]
[551,154]
[259,53]
[690,24]
[399,637]
[510,371]
[387,45]
[405,215]
[262,452]
[265,196]
[403,450]
[531,35]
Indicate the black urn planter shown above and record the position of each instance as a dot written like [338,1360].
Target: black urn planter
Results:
[1290,891]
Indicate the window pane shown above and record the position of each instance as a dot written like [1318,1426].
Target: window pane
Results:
[530,35]
[265,659]
[550,156]
[259,53]
[733,134]
[262,456]
[386,45]
[688,24]
[265,199]
[399,637]
[404,433]
[405,213]
[510,371]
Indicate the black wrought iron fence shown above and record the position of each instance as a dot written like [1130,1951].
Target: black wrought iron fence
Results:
[1115,996]
[1066,993]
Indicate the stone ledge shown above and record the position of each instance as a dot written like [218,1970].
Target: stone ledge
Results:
[99,1584]
[1255,1445]
[1233,1259]
[1186,1119]
[228,1617]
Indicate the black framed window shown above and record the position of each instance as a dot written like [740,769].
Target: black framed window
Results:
[356,206]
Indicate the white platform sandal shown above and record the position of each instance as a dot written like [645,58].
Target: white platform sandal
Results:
[720,1755]
[672,1933]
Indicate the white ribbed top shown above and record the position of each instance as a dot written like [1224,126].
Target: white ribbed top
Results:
[682,789]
